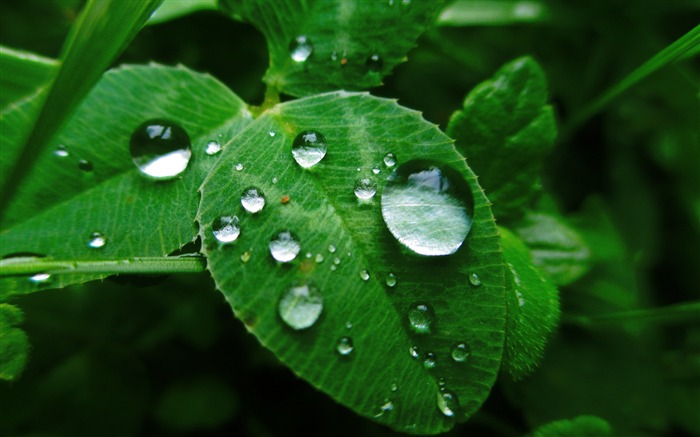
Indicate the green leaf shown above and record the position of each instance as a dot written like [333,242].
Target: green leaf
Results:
[533,309]
[505,129]
[23,73]
[493,13]
[555,246]
[171,9]
[60,206]
[343,35]
[379,379]
[101,32]
[581,426]
[14,344]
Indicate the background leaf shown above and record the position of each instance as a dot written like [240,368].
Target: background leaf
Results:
[581,426]
[342,36]
[138,217]
[505,129]
[23,73]
[13,343]
[322,210]
[493,13]
[171,9]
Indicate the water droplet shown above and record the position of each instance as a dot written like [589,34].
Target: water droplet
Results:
[385,408]
[213,147]
[447,402]
[40,278]
[319,258]
[275,180]
[253,199]
[364,275]
[85,165]
[430,360]
[272,133]
[394,386]
[61,151]
[365,188]
[375,63]
[301,305]
[301,48]
[344,346]
[474,279]
[427,208]
[421,316]
[333,267]
[245,256]
[226,228]
[160,149]
[309,148]
[239,166]
[460,352]
[391,280]
[348,325]
[331,248]
[376,170]
[414,352]
[284,246]
[96,241]
[389,160]
[309,254]
[336,260]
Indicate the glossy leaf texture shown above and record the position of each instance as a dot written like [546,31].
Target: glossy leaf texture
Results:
[172,9]
[581,426]
[86,181]
[533,308]
[13,342]
[367,282]
[325,45]
[505,129]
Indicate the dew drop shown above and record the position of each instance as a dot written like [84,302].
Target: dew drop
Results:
[364,275]
[272,133]
[430,360]
[301,305]
[460,352]
[344,346]
[284,246]
[213,147]
[61,151]
[40,278]
[245,256]
[447,402]
[239,166]
[474,279]
[389,160]
[331,248]
[375,63]
[420,317]
[414,352]
[226,228]
[96,241]
[253,200]
[394,386]
[427,208]
[376,170]
[336,260]
[365,188]
[275,180]
[391,280]
[319,258]
[348,325]
[385,408]
[301,48]
[309,148]
[160,149]
[85,165]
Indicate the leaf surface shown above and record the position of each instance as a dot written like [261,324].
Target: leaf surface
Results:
[13,343]
[172,9]
[581,426]
[342,36]
[60,205]
[23,73]
[340,238]
[505,129]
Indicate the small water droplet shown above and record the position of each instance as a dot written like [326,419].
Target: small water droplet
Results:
[391,280]
[331,248]
[301,305]
[40,278]
[385,408]
[414,352]
[348,325]
[275,180]
[336,260]
[253,199]
[460,352]
[430,360]
[344,346]
[333,267]
[85,165]
[375,63]
[427,208]
[389,160]
[319,258]
[245,256]
[365,188]
[364,275]
[376,170]
[160,149]
[61,151]
[284,246]
[394,386]
[521,299]
[272,133]
[421,317]
[309,254]
[309,148]
[213,147]
[447,402]
[239,166]
[226,228]
[96,241]
[474,279]
[301,48]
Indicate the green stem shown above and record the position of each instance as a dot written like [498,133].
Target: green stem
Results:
[685,45]
[149,265]
[689,311]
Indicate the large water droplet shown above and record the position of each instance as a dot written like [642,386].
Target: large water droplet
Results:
[284,246]
[474,279]
[460,352]
[301,48]
[427,208]
[226,228]
[160,149]
[301,305]
[375,63]
[213,147]
[344,346]
[96,241]
[389,160]
[447,402]
[309,148]
[391,280]
[253,199]
[421,316]
[365,188]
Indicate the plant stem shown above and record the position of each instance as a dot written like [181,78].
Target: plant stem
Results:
[272,97]
[152,265]
[689,311]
